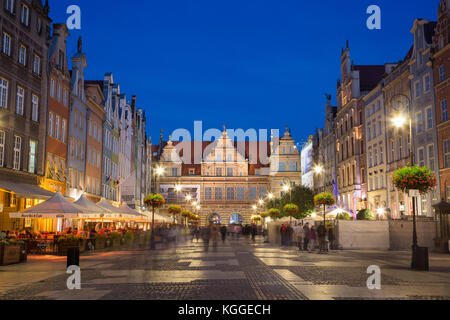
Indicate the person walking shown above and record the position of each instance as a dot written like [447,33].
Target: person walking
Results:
[254,231]
[321,234]
[283,235]
[331,238]
[206,238]
[223,232]
[301,237]
[313,238]
[306,236]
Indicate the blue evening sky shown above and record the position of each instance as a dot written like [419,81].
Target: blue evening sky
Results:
[245,63]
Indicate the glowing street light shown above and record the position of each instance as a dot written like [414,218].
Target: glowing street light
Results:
[286,188]
[318,169]
[399,121]
[270,196]
[160,171]
[178,188]
[188,198]
[261,202]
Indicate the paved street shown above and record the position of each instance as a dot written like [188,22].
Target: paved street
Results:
[238,270]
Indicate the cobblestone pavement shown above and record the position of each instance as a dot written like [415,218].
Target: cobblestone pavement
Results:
[237,270]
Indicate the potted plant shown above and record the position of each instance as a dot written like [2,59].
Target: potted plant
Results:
[291,210]
[324,199]
[364,214]
[100,241]
[67,241]
[186,214]
[129,238]
[343,216]
[154,201]
[116,238]
[274,213]
[10,253]
[423,180]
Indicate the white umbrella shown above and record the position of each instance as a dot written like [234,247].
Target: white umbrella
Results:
[89,209]
[55,207]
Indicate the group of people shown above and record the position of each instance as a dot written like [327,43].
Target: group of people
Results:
[307,236]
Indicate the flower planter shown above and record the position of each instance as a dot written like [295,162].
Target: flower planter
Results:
[63,247]
[10,255]
[99,243]
[116,243]
[24,252]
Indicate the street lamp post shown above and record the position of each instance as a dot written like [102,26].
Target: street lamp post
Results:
[402,105]
[159,172]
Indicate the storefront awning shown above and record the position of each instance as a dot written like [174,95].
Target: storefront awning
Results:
[27,191]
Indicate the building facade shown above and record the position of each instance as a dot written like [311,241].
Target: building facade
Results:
[110,182]
[423,108]
[127,177]
[25,31]
[441,72]
[94,141]
[59,101]
[77,126]
[375,150]
[398,147]
[325,180]
[356,82]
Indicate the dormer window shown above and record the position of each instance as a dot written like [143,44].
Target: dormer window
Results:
[25,15]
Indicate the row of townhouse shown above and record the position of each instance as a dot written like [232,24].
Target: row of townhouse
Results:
[59,131]
[360,146]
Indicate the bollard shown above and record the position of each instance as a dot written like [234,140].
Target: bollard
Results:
[420,259]
[73,256]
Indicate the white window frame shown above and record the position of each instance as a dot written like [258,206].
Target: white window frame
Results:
[9,6]
[32,157]
[431,156]
[50,124]
[2,148]
[20,100]
[65,97]
[37,65]
[420,161]
[425,83]
[17,152]
[428,117]
[6,43]
[57,127]
[34,108]
[63,130]
[417,91]
[22,54]
[4,84]
[25,15]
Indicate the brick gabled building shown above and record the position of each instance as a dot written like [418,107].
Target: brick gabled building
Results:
[356,81]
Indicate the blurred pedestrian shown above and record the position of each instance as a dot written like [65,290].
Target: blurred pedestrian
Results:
[223,232]
[321,234]
[254,231]
[307,236]
[313,238]
[331,238]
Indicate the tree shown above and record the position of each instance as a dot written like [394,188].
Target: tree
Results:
[186,214]
[301,196]
[274,213]
[324,199]
[155,201]
[174,211]
[364,214]
[343,216]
